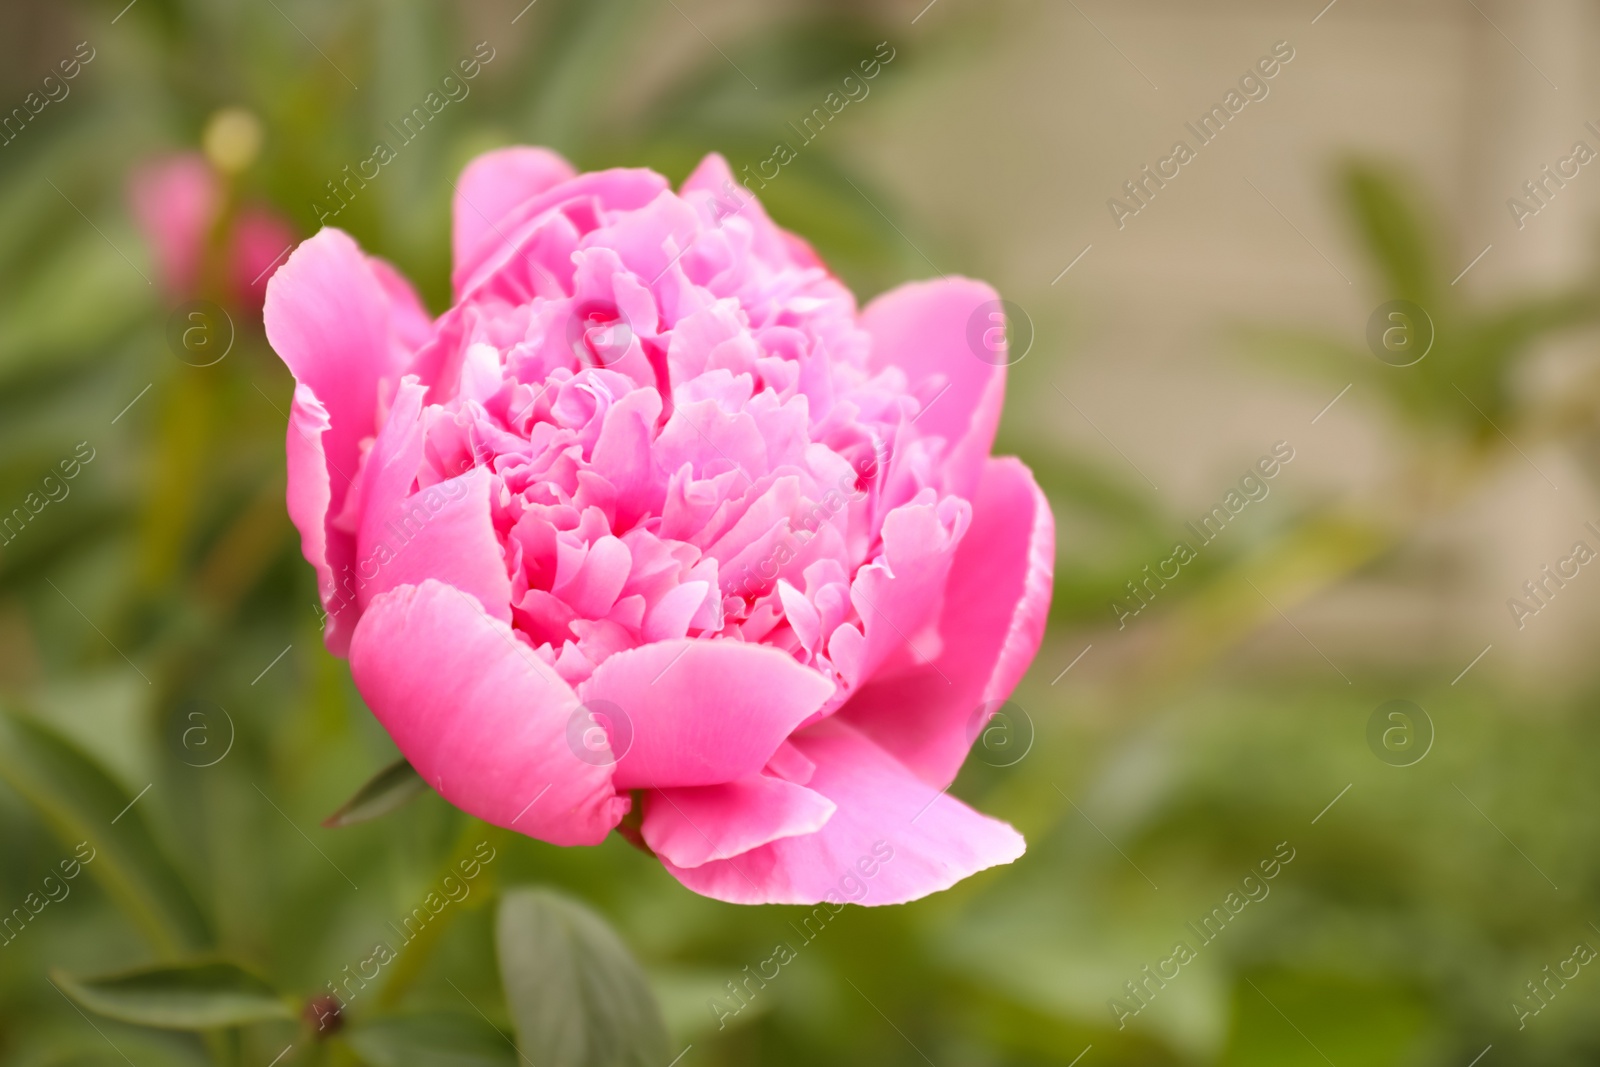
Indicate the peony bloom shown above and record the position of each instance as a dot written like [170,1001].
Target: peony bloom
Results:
[653,523]
[176,201]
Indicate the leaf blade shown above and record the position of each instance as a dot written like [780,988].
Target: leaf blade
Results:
[386,791]
[84,803]
[431,1039]
[187,996]
[577,996]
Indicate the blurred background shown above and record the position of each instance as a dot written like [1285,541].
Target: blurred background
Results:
[1409,179]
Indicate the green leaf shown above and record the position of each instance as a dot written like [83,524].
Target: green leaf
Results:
[577,996]
[384,792]
[194,996]
[1392,228]
[84,804]
[431,1039]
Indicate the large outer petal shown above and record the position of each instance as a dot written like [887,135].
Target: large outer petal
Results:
[703,712]
[994,617]
[700,824]
[479,716]
[922,328]
[329,317]
[893,838]
[490,187]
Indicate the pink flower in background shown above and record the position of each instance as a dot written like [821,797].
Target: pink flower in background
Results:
[175,201]
[655,516]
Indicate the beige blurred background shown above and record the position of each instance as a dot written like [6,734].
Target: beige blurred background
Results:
[1010,151]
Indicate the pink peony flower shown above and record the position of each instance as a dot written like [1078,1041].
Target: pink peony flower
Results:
[175,201]
[654,516]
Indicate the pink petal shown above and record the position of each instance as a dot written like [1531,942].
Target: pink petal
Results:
[729,199]
[490,187]
[444,532]
[899,597]
[619,189]
[329,550]
[327,316]
[413,326]
[994,616]
[893,838]
[480,717]
[700,824]
[671,615]
[922,328]
[703,712]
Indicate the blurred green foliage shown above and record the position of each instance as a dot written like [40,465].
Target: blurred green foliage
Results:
[167,697]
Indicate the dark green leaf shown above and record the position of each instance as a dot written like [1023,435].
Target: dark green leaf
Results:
[194,996]
[81,801]
[384,792]
[577,996]
[432,1039]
